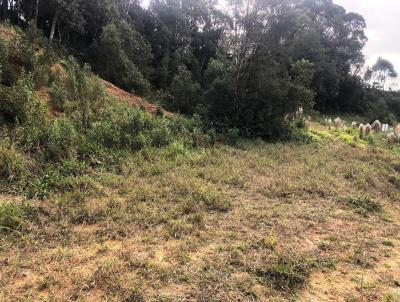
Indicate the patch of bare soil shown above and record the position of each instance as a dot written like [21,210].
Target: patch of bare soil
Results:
[132,100]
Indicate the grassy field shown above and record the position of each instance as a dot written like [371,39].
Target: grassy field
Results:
[252,222]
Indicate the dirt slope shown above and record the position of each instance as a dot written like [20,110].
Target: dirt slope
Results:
[133,100]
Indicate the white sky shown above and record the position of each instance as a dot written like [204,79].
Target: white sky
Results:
[383,25]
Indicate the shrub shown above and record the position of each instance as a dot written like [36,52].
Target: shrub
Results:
[300,122]
[12,164]
[202,139]
[38,188]
[161,136]
[62,139]
[32,135]
[175,149]
[233,135]
[63,176]
[140,141]
[14,216]
[85,92]
[58,96]
[13,104]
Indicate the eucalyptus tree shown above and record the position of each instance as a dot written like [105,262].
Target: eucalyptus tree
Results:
[382,71]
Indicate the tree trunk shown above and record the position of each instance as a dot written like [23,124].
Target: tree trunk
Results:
[11,137]
[36,12]
[53,27]
[4,6]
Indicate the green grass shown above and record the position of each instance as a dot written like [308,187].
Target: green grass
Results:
[14,217]
[287,272]
[252,222]
[364,203]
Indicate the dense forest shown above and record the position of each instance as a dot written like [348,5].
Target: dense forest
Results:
[246,65]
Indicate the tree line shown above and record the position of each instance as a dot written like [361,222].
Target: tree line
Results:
[249,64]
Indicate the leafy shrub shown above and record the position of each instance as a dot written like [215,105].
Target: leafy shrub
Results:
[32,135]
[300,122]
[13,105]
[233,135]
[175,149]
[58,96]
[64,176]
[161,136]
[62,139]
[304,137]
[85,92]
[203,139]
[140,141]
[14,216]
[38,188]
[12,164]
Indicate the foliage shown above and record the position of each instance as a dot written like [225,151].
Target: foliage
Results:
[123,57]
[32,134]
[14,102]
[62,139]
[13,216]
[249,65]
[288,272]
[382,70]
[185,93]
[363,202]
[13,165]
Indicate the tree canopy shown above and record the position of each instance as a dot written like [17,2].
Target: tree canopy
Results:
[250,64]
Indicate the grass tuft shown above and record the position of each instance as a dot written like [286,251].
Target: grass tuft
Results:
[13,217]
[364,203]
[288,272]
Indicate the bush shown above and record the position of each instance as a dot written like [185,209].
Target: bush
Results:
[233,135]
[58,96]
[14,216]
[85,93]
[33,134]
[12,164]
[161,136]
[62,139]
[67,175]
[14,102]
[300,122]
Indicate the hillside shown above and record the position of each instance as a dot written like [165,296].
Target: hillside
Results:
[271,174]
[255,222]
[112,90]
[132,100]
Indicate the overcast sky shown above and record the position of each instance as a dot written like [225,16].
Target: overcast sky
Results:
[383,28]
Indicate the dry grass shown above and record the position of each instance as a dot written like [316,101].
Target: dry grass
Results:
[258,222]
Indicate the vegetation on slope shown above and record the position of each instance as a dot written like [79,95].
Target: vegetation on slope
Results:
[246,65]
[105,201]
[75,126]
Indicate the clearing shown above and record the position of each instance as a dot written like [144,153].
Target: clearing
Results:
[252,222]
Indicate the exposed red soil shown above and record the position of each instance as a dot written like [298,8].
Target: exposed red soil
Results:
[5,32]
[131,99]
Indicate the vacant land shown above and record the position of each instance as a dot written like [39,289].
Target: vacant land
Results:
[253,222]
